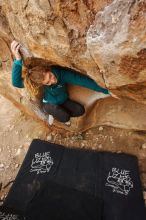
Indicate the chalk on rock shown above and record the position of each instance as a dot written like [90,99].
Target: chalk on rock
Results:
[1,165]
[144,146]
[49,137]
[100,146]
[17,165]
[100,128]
[50,120]
[18,152]
[68,123]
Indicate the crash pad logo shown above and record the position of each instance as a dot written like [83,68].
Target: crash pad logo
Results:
[42,163]
[4,216]
[120,181]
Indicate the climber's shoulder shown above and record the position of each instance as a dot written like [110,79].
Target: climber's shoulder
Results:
[57,71]
[56,68]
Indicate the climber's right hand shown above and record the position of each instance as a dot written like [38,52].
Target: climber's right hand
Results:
[113,95]
[15,46]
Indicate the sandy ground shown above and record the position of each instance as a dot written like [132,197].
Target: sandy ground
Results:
[18,130]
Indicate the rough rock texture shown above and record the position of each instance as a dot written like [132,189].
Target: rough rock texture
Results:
[105,39]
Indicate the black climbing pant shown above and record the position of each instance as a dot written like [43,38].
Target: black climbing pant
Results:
[64,111]
[58,183]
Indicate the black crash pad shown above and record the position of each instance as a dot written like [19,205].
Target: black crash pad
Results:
[78,184]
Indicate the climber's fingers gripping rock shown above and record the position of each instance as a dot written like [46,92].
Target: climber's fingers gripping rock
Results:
[15,46]
[114,96]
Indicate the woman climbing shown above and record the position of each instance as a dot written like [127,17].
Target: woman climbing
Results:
[54,80]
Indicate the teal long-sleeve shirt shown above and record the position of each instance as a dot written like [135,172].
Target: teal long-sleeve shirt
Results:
[57,94]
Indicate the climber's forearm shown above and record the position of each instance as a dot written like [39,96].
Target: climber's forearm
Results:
[73,77]
[17,80]
[101,89]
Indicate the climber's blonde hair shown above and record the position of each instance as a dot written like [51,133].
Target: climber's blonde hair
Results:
[33,78]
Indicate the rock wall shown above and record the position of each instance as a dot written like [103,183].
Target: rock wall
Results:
[104,39]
